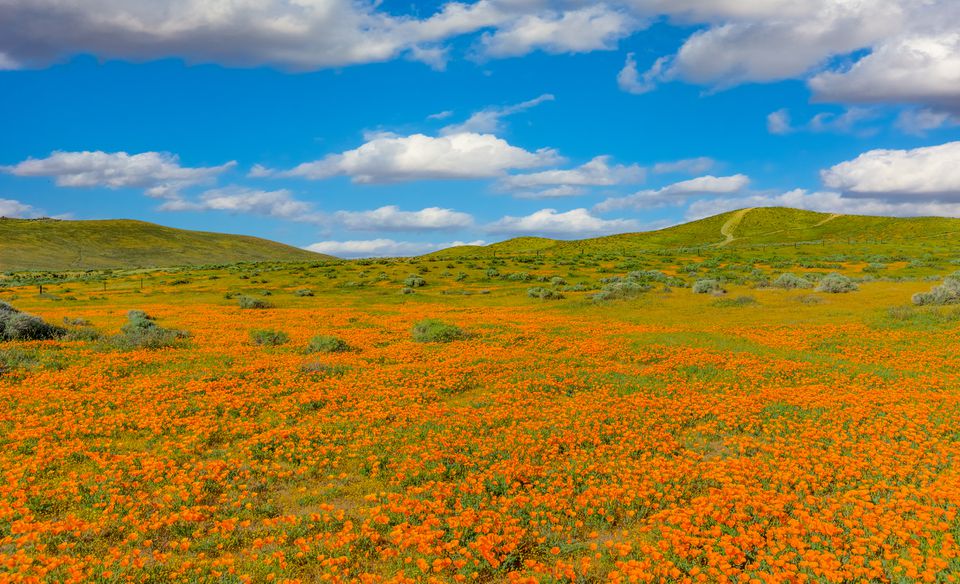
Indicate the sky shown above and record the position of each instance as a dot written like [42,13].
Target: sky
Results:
[395,128]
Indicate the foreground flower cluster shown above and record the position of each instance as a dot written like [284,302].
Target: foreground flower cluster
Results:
[546,446]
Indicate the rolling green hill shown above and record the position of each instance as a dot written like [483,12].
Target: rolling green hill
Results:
[51,244]
[745,227]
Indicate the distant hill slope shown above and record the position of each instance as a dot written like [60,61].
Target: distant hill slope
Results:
[50,244]
[752,226]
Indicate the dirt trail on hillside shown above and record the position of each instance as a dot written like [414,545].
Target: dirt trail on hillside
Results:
[731,224]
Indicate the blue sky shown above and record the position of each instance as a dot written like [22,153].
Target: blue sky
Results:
[363,129]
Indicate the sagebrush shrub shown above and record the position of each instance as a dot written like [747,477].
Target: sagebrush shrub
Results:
[303,292]
[327,344]
[432,330]
[544,293]
[835,283]
[620,289]
[142,332]
[268,337]
[249,302]
[20,326]
[414,281]
[707,286]
[788,281]
[946,293]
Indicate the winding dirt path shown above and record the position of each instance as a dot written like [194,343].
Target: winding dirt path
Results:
[727,229]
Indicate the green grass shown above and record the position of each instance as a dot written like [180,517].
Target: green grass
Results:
[765,226]
[50,244]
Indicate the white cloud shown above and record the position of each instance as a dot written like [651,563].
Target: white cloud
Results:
[825,202]
[490,120]
[930,171]
[676,193]
[847,122]
[596,172]
[440,115]
[697,165]
[16,209]
[159,173]
[549,222]
[778,122]
[391,218]
[296,35]
[919,122]
[591,28]
[923,69]
[280,204]
[630,80]
[852,51]
[551,193]
[390,158]
[366,248]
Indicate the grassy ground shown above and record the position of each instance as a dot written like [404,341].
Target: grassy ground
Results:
[82,245]
[761,435]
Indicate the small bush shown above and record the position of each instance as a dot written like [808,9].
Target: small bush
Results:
[788,281]
[414,281]
[557,281]
[544,293]
[436,331]
[20,326]
[142,332]
[268,338]
[249,302]
[835,283]
[320,368]
[303,292]
[946,293]
[810,299]
[620,290]
[707,286]
[327,344]
[736,302]
[406,290]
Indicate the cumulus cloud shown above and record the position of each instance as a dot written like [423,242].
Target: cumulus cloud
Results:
[825,202]
[922,69]
[922,172]
[390,158]
[676,193]
[296,35]
[365,248]
[697,165]
[590,28]
[550,222]
[888,51]
[490,120]
[920,121]
[551,193]
[280,204]
[596,172]
[16,209]
[159,173]
[778,122]
[391,218]
[630,79]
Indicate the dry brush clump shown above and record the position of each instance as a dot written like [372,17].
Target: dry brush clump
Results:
[20,326]
[946,293]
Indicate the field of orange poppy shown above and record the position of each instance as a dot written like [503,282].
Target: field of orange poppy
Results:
[300,431]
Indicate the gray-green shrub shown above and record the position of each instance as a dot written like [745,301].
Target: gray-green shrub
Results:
[544,293]
[432,330]
[327,344]
[835,283]
[946,293]
[20,326]
[414,281]
[707,286]
[268,337]
[788,281]
[249,302]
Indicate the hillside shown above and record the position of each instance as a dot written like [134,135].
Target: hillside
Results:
[745,227]
[50,244]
